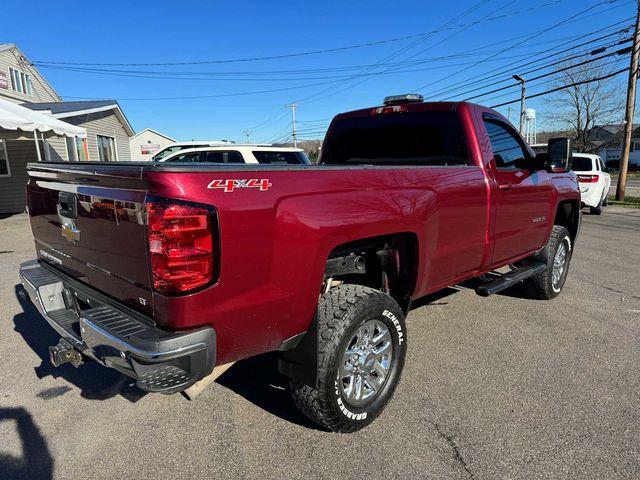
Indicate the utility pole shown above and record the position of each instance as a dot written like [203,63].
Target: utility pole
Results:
[247,132]
[293,107]
[521,80]
[631,105]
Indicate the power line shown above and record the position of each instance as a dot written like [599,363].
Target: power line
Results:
[221,95]
[555,72]
[540,68]
[335,89]
[570,19]
[330,92]
[444,28]
[557,89]
[491,74]
[309,71]
[612,64]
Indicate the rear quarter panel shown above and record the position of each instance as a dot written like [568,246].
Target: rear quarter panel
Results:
[275,243]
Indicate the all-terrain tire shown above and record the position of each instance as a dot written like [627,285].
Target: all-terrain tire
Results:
[341,312]
[542,285]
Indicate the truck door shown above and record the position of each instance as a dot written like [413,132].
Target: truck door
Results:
[521,196]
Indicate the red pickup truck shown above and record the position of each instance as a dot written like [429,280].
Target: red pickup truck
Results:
[169,272]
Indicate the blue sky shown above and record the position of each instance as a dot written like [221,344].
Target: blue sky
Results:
[144,32]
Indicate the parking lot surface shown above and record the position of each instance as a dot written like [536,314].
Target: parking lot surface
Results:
[498,387]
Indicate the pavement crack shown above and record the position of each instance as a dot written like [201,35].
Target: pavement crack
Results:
[456,450]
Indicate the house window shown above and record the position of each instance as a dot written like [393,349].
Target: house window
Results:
[106,149]
[71,149]
[75,149]
[20,82]
[5,171]
[81,149]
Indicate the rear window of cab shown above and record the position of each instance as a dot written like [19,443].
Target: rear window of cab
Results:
[397,138]
[581,164]
[281,158]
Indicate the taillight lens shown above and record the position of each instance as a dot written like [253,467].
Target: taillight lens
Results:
[588,178]
[181,246]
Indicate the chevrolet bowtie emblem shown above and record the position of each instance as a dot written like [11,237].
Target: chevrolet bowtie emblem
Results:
[70,232]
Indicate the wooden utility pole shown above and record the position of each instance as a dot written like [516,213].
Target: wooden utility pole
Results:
[631,105]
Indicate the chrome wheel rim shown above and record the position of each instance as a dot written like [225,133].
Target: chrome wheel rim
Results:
[365,363]
[559,263]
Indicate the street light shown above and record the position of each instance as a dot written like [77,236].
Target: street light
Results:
[521,80]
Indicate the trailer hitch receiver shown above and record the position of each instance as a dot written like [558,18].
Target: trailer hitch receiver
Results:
[64,352]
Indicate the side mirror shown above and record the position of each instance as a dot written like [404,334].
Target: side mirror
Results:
[559,155]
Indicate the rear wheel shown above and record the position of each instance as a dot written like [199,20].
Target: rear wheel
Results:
[361,352]
[597,210]
[557,255]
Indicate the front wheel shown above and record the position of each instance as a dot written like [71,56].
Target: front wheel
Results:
[361,352]
[557,255]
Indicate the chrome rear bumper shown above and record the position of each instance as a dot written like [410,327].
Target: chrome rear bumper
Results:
[117,337]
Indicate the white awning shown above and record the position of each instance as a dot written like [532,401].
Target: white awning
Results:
[16,117]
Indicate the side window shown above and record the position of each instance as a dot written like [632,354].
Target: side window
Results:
[186,157]
[222,156]
[602,167]
[507,149]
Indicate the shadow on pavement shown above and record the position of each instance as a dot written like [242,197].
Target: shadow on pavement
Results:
[257,380]
[434,298]
[36,461]
[94,381]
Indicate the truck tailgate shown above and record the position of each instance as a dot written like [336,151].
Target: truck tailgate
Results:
[88,221]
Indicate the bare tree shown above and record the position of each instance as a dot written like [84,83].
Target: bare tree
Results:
[579,108]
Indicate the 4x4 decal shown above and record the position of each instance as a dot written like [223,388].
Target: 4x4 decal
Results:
[231,184]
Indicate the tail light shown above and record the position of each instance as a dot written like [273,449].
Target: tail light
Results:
[588,178]
[181,245]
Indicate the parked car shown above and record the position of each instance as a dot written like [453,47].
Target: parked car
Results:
[253,154]
[319,263]
[594,181]
[177,146]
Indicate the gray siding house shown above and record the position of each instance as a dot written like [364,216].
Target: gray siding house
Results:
[108,129]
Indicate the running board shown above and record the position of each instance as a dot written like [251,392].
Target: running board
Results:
[509,279]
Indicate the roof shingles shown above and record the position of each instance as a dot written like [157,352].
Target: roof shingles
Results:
[68,107]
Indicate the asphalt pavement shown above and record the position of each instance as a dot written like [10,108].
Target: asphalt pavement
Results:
[500,387]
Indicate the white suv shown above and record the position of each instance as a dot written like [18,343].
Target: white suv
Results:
[178,146]
[594,181]
[251,154]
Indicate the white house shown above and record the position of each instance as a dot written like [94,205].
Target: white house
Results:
[147,142]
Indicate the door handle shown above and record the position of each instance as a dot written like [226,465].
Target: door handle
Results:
[505,186]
